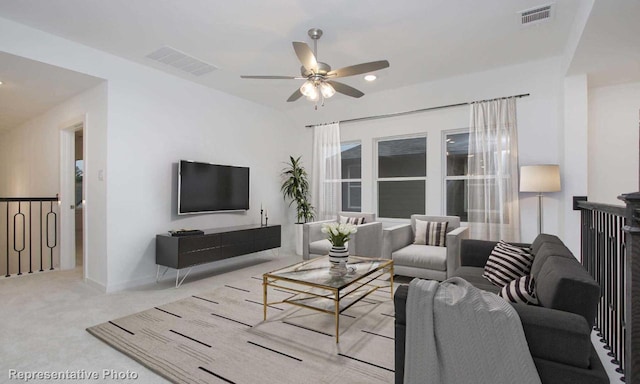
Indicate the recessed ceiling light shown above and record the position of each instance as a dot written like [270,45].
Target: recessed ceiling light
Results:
[0,82]
[370,77]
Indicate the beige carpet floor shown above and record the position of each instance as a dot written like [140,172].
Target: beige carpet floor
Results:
[219,336]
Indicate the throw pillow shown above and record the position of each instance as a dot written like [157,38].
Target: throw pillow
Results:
[351,220]
[431,233]
[507,262]
[520,290]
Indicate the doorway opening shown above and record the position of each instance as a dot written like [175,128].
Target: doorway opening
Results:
[73,196]
[79,197]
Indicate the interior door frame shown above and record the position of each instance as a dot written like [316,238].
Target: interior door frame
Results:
[67,194]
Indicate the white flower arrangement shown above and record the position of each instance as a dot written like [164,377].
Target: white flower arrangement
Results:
[338,233]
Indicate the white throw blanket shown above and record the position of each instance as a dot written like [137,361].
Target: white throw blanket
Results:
[458,334]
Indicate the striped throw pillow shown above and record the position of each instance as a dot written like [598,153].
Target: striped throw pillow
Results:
[507,262]
[520,290]
[431,233]
[351,220]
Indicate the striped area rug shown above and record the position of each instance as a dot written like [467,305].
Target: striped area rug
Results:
[219,337]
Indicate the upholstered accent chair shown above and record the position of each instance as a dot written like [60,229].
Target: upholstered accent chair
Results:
[424,261]
[366,242]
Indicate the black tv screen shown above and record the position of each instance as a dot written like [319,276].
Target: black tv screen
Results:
[204,187]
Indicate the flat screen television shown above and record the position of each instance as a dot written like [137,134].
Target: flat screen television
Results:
[204,187]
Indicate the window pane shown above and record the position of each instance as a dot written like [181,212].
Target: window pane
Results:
[351,196]
[401,199]
[457,199]
[484,191]
[402,157]
[351,155]
[457,154]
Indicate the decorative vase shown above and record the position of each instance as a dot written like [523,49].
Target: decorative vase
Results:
[338,256]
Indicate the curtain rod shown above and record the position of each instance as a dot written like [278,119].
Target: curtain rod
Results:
[414,111]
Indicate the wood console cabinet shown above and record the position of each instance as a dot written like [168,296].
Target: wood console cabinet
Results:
[180,252]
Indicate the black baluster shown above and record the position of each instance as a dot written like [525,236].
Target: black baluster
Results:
[7,275]
[15,218]
[41,270]
[55,233]
[30,242]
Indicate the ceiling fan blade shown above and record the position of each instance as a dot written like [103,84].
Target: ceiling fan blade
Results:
[306,56]
[345,89]
[295,95]
[270,77]
[359,69]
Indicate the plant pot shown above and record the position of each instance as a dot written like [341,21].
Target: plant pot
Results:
[338,257]
[298,229]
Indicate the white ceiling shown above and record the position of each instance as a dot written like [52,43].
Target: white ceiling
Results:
[30,88]
[423,40]
[609,48]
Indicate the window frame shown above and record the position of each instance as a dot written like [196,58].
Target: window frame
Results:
[351,180]
[445,176]
[377,179]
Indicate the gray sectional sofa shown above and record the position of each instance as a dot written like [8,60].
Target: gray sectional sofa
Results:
[558,331]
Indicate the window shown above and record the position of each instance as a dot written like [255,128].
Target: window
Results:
[456,177]
[402,177]
[351,158]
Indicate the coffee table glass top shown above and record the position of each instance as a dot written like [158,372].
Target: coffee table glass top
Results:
[316,271]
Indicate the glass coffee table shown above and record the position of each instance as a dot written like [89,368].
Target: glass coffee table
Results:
[312,285]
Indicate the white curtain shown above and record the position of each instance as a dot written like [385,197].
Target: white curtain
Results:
[494,212]
[325,185]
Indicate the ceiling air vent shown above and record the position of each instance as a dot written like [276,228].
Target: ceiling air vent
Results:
[171,56]
[536,15]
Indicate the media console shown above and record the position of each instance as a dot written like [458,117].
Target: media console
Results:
[179,252]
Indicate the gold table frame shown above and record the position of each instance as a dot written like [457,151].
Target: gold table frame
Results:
[337,288]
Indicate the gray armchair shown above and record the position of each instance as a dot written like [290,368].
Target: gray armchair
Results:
[366,242]
[424,261]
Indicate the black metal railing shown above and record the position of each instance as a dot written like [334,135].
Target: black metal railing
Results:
[610,251]
[31,234]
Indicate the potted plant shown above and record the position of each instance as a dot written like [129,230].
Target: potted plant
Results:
[295,187]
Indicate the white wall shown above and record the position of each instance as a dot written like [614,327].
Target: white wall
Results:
[154,120]
[574,162]
[539,126]
[614,116]
[30,165]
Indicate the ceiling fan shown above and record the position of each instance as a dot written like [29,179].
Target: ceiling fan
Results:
[319,84]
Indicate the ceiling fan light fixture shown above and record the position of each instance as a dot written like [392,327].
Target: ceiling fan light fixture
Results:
[327,90]
[314,96]
[308,88]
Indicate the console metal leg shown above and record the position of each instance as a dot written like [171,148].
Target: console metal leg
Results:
[178,284]
[158,272]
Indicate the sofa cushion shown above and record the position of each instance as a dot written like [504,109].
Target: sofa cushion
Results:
[474,276]
[431,233]
[352,220]
[565,285]
[320,247]
[545,251]
[421,256]
[506,263]
[520,290]
[543,238]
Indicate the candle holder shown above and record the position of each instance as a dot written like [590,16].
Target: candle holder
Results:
[266,221]
[261,212]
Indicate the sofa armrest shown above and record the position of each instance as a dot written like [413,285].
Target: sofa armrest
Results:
[367,241]
[312,232]
[554,335]
[394,238]
[454,239]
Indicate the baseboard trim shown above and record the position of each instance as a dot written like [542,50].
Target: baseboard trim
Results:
[215,267]
[95,284]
